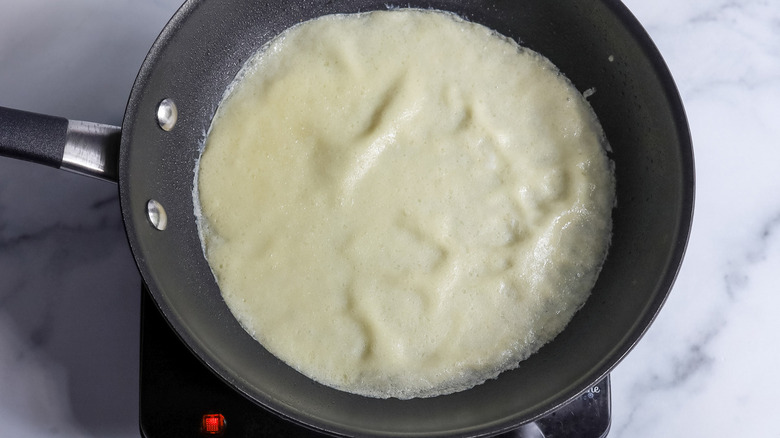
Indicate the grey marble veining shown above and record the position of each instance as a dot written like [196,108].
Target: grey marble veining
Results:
[702,369]
[69,290]
[68,303]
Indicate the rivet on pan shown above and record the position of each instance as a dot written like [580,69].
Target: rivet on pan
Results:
[156,214]
[167,114]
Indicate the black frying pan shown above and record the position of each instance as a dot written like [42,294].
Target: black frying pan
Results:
[596,43]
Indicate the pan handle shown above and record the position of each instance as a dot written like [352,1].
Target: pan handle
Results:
[87,148]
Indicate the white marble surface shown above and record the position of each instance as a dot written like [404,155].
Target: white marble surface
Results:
[69,291]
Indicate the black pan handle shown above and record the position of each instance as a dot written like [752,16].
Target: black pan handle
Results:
[83,147]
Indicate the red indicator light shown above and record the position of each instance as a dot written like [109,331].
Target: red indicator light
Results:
[212,424]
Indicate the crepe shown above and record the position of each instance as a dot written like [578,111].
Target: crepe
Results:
[403,203]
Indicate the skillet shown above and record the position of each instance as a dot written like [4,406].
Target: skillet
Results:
[597,44]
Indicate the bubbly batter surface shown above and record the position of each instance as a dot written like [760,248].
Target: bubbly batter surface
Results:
[403,204]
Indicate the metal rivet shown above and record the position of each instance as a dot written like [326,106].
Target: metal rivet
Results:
[156,214]
[167,114]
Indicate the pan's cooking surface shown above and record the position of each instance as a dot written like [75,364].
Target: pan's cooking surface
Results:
[386,241]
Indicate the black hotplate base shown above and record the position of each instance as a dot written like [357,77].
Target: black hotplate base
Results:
[176,390]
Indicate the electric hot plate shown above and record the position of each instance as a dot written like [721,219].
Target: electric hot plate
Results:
[180,397]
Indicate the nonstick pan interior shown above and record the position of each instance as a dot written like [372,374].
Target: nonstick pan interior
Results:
[595,43]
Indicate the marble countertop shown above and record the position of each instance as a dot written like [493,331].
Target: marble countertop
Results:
[69,290]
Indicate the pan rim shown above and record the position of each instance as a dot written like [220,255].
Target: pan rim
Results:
[664,284]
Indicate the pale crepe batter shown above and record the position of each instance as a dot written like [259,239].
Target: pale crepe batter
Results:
[403,204]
